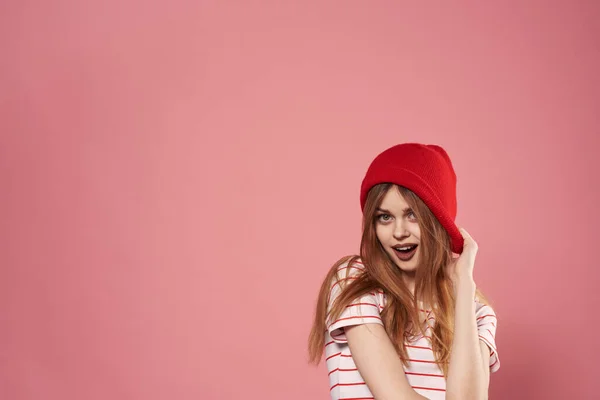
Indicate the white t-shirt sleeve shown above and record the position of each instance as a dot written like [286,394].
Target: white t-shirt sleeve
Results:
[365,310]
[486,328]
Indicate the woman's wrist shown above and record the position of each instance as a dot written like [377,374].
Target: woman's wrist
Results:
[465,285]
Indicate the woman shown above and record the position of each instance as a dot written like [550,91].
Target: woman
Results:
[405,320]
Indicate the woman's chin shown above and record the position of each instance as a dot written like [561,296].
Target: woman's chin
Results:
[407,266]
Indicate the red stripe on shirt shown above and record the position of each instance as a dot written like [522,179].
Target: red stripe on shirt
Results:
[427,388]
[337,337]
[333,355]
[419,347]
[347,384]
[362,304]
[357,398]
[484,316]
[407,373]
[422,361]
[417,373]
[363,383]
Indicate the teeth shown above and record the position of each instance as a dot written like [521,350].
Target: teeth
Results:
[404,248]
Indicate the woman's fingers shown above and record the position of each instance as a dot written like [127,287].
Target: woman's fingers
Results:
[469,241]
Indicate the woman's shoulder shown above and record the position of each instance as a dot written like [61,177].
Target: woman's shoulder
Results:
[483,309]
[349,267]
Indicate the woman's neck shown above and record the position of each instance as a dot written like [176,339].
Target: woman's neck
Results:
[409,281]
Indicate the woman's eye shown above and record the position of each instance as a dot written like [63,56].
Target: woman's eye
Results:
[384,217]
[412,215]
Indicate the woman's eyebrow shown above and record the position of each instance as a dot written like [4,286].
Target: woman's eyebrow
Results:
[406,210]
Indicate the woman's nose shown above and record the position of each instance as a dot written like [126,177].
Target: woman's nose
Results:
[401,231]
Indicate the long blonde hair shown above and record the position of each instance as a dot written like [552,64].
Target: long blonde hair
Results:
[400,316]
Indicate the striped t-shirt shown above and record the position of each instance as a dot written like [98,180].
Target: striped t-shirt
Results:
[423,374]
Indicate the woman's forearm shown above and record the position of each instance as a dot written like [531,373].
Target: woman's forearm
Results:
[465,374]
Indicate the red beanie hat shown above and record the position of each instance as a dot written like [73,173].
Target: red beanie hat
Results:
[427,171]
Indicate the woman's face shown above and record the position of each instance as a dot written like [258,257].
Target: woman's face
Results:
[398,230]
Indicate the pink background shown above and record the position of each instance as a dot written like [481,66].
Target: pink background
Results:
[178,176]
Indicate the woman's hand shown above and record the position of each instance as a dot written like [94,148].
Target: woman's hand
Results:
[460,270]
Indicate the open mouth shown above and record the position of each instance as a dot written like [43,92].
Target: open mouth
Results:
[405,253]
